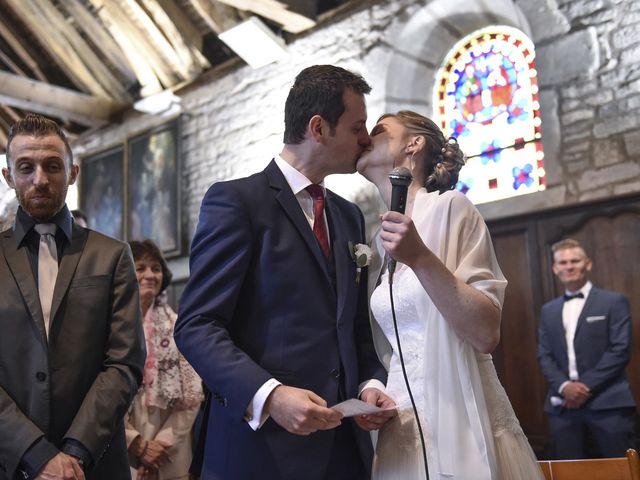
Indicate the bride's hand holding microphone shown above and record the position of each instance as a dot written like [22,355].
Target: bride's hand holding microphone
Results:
[401,239]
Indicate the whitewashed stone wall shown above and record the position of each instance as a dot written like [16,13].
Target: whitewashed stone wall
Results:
[588,58]
[589,65]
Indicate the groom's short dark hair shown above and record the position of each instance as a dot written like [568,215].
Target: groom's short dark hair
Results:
[318,90]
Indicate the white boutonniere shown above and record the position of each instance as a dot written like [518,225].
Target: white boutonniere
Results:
[361,255]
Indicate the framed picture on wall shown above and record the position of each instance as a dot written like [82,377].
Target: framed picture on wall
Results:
[102,191]
[153,188]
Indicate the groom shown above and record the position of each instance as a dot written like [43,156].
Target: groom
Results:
[273,318]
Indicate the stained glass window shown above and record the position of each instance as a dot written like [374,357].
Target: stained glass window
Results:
[486,95]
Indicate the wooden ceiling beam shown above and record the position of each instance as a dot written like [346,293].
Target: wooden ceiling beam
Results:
[182,22]
[100,37]
[189,55]
[33,23]
[180,65]
[8,117]
[4,138]
[68,48]
[22,52]
[209,14]
[11,113]
[276,11]
[125,38]
[118,19]
[111,85]
[11,64]
[35,96]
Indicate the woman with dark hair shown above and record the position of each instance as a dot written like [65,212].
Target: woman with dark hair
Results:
[159,422]
[448,294]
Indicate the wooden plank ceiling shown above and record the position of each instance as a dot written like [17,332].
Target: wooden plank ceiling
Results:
[84,62]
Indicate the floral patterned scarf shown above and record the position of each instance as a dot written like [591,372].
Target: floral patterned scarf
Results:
[169,381]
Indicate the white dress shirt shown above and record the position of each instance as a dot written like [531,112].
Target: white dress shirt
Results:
[298,182]
[571,311]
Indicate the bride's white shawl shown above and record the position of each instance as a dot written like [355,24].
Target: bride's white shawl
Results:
[457,422]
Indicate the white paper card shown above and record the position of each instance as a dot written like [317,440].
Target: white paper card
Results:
[353,406]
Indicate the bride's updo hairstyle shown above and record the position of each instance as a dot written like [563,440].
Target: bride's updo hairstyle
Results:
[442,159]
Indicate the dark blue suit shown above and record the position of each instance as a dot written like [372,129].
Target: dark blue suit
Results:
[262,301]
[602,346]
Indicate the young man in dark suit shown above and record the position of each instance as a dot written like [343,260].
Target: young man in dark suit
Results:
[71,348]
[584,348]
[273,317]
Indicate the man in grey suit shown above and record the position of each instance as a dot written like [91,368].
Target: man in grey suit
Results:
[584,348]
[71,348]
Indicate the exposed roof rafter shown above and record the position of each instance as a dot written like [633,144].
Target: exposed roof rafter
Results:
[82,61]
[35,96]
[276,11]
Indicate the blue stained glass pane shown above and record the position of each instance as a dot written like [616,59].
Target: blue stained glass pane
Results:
[486,96]
[522,176]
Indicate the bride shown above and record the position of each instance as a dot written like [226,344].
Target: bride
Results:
[448,293]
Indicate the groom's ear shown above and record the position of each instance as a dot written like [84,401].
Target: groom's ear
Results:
[315,127]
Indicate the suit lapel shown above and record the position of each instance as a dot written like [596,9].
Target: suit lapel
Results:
[560,334]
[67,269]
[18,261]
[291,207]
[591,299]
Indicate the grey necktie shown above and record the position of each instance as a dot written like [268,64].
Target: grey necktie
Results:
[47,268]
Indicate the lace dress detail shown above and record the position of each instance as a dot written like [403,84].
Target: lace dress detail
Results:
[501,413]
[401,432]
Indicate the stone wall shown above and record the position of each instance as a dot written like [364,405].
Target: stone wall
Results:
[588,60]
[589,64]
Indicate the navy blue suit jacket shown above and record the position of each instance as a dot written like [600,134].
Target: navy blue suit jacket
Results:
[602,345]
[261,303]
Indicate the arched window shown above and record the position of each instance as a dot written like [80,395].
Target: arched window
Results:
[486,95]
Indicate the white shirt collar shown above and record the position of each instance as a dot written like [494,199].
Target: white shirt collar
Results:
[296,180]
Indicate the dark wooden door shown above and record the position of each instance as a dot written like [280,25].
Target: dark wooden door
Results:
[610,232]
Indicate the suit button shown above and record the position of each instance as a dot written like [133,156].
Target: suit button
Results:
[335,373]
[41,376]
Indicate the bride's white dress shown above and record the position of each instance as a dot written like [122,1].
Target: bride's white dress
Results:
[470,428]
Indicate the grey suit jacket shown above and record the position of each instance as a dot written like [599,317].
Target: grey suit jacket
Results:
[79,383]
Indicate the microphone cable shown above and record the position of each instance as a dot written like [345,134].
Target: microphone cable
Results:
[404,374]
[401,178]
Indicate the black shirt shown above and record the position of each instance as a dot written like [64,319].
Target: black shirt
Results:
[26,235]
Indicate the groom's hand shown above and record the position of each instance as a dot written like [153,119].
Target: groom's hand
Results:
[300,411]
[375,421]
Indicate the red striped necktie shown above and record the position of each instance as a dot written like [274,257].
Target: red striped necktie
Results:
[319,225]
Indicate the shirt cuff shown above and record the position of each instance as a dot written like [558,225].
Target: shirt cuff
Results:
[255,417]
[564,384]
[36,457]
[76,449]
[373,383]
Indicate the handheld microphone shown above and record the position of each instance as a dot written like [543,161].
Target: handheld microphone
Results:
[400,178]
